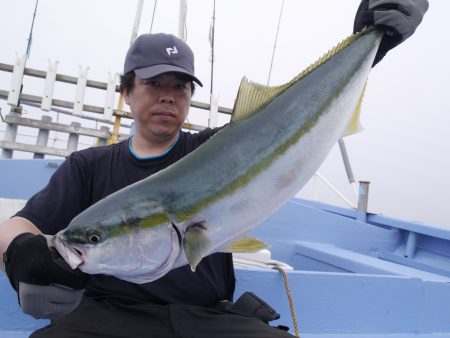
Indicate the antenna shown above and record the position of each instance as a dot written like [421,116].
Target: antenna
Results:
[27,53]
[275,43]
[153,16]
[30,37]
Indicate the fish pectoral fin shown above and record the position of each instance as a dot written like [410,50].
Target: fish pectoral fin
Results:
[354,126]
[247,244]
[196,244]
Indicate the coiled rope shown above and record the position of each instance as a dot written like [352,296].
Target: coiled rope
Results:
[291,300]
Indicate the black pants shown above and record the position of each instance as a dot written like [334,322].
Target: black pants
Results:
[111,320]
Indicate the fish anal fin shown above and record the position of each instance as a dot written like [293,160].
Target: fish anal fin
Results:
[354,126]
[247,244]
[196,243]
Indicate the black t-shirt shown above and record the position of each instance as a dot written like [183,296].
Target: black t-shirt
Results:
[91,174]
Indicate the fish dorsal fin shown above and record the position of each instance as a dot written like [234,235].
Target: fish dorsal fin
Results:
[354,126]
[247,244]
[252,96]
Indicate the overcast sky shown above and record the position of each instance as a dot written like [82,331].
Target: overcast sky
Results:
[404,150]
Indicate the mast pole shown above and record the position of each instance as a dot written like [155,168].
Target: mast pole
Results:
[213,100]
[182,20]
[120,104]
[137,20]
[211,38]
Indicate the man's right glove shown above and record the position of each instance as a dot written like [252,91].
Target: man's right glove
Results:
[46,285]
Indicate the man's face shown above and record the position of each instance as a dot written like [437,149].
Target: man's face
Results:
[159,105]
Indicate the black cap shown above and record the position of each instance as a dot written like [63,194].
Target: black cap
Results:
[154,54]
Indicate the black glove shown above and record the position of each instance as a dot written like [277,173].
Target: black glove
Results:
[397,18]
[28,259]
[46,285]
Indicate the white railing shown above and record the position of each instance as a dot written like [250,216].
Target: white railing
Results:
[73,133]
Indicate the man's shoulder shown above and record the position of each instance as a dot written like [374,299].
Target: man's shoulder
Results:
[195,139]
[99,152]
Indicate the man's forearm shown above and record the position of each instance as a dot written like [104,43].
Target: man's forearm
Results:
[12,228]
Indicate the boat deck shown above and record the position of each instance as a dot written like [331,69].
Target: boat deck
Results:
[382,277]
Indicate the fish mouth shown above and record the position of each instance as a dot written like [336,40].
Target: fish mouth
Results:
[73,254]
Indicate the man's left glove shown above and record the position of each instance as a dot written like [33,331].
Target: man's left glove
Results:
[397,18]
[46,285]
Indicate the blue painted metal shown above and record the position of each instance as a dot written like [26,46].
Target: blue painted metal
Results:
[383,277]
[20,179]
[411,244]
[363,197]
[12,319]
[355,303]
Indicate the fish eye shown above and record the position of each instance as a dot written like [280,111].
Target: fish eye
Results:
[94,238]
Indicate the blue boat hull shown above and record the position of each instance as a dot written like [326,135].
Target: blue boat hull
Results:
[383,277]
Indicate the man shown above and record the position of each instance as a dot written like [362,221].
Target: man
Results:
[157,84]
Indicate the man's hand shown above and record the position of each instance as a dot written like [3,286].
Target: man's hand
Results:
[46,285]
[397,18]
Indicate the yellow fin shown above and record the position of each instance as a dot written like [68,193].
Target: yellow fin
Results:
[354,125]
[247,244]
[252,96]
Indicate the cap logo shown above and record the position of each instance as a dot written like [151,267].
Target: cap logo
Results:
[172,50]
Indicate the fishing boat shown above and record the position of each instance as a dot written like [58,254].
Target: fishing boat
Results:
[330,271]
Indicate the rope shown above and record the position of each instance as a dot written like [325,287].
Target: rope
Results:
[289,295]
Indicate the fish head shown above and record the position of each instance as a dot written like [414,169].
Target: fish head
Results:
[140,246]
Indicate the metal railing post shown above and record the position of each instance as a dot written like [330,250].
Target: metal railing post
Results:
[72,142]
[363,199]
[42,138]
[103,141]
[10,134]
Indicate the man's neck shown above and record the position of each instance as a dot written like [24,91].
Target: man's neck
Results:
[148,148]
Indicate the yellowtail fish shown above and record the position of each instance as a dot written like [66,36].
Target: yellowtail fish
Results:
[211,198]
